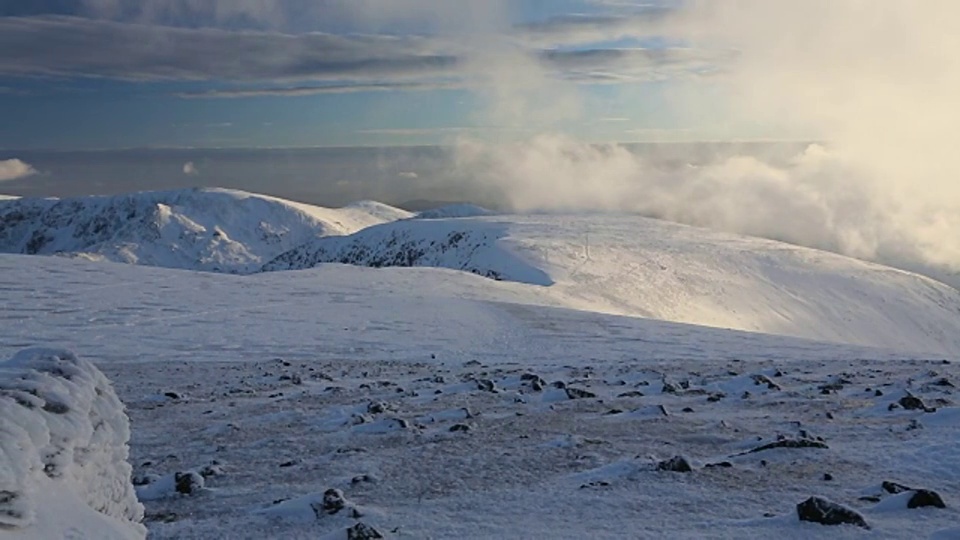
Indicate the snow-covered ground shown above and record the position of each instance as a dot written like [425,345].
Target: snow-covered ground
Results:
[429,398]
[516,376]
[630,265]
[197,229]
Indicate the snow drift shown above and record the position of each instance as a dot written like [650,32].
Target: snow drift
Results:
[63,450]
[628,265]
[198,229]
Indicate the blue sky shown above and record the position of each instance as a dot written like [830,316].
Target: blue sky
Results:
[77,74]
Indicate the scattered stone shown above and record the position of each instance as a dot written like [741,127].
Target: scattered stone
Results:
[459,427]
[559,384]
[577,393]
[213,469]
[486,385]
[362,531]
[289,463]
[188,483]
[760,379]
[787,443]
[942,382]
[911,403]
[363,479]
[829,388]
[172,395]
[687,409]
[377,407]
[894,488]
[745,395]
[827,477]
[594,484]
[632,393]
[716,397]
[675,464]
[333,501]
[161,517]
[926,497]
[721,465]
[818,510]
[613,411]
[878,392]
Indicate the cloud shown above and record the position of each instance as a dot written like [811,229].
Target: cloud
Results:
[190,169]
[13,169]
[333,63]
[408,175]
[340,88]
[70,46]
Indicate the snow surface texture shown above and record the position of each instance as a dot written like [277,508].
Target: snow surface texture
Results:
[642,267]
[63,451]
[200,229]
[624,265]
[427,397]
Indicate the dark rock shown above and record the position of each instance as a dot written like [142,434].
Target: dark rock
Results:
[716,397]
[289,463]
[632,393]
[788,443]
[362,531]
[764,380]
[161,517]
[925,497]
[577,393]
[595,483]
[827,477]
[558,384]
[613,411]
[486,385]
[333,501]
[878,392]
[894,488]
[172,395]
[675,464]
[911,403]
[459,427]
[377,407]
[687,409]
[363,479]
[818,510]
[721,464]
[213,469]
[188,483]
[942,382]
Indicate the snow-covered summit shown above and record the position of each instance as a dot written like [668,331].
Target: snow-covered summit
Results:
[199,229]
[635,266]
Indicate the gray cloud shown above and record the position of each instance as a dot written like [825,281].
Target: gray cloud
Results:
[341,88]
[70,46]
[334,63]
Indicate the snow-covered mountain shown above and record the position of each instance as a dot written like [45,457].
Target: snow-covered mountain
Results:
[455,211]
[199,229]
[642,267]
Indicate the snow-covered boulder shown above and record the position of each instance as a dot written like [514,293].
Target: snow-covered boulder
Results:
[63,451]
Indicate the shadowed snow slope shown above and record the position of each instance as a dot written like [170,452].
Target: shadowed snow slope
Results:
[63,450]
[642,267]
[198,229]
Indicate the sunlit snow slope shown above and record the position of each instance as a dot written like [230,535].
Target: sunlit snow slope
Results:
[643,267]
[198,229]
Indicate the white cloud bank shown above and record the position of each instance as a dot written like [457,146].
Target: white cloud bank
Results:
[12,169]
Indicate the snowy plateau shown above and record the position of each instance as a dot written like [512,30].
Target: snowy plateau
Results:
[218,364]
